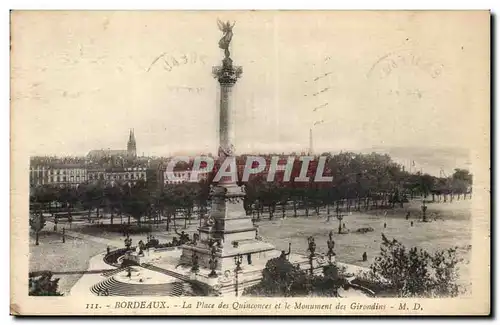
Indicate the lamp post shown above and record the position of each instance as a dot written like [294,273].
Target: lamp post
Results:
[312,250]
[339,217]
[237,261]
[213,262]
[194,259]
[331,246]
[424,209]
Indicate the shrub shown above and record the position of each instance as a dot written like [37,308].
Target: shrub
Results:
[364,230]
[415,272]
[41,284]
[282,279]
[328,284]
[153,243]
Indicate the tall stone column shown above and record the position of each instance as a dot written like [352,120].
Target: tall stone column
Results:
[226,130]
[227,227]
[227,76]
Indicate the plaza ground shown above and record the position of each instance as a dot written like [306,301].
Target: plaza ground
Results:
[54,255]
[84,241]
[449,226]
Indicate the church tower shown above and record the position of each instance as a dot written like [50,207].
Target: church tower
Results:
[131,146]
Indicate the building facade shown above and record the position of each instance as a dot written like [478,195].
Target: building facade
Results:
[182,176]
[129,175]
[64,175]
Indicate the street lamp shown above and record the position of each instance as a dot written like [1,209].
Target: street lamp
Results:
[424,209]
[339,217]
[213,262]
[194,260]
[331,246]
[311,249]
[237,260]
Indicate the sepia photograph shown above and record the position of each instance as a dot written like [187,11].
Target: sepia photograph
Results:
[250,162]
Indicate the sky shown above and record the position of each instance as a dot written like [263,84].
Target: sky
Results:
[409,84]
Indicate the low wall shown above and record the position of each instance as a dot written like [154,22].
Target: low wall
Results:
[112,257]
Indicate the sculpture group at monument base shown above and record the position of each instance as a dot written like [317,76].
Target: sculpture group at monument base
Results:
[252,252]
[226,280]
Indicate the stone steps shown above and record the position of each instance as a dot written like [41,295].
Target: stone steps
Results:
[113,272]
[166,272]
[117,288]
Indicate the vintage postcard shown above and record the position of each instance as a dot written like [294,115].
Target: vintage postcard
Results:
[250,163]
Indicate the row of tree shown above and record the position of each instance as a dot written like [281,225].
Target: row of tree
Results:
[120,200]
[359,181]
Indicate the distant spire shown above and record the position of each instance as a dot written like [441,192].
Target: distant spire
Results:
[131,145]
[311,151]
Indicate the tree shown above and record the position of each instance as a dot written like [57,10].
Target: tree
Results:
[185,195]
[41,197]
[37,222]
[92,196]
[426,184]
[415,272]
[270,196]
[178,197]
[462,174]
[35,199]
[137,201]
[284,196]
[164,203]
[43,285]
[202,197]
[461,181]
[113,195]
[68,197]
[119,198]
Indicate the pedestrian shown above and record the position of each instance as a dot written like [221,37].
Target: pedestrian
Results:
[108,249]
[365,257]
[411,223]
[407,215]
[385,225]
